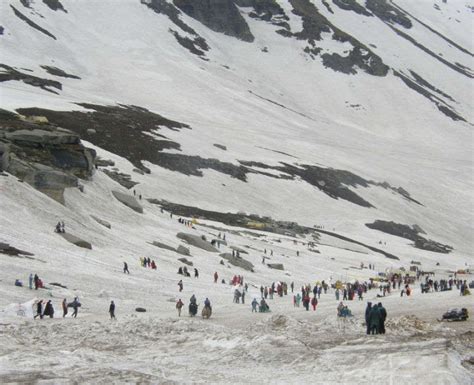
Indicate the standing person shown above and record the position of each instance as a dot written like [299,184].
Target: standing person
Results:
[64,306]
[180,285]
[368,309]
[374,319]
[243,296]
[215,277]
[75,306]
[179,306]
[298,299]
[337,294]
[254,305]
[112,310]
[30,281]
[39,309]
[292,286]
[196,273]
[125,268]
[36,280]
[49,310]
[314,303]
[383,317]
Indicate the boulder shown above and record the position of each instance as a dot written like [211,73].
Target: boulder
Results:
[76,240]
[140,310]
[39,136]
[183,250]
[185,261]
[238,261]
[128,201]
[165,246]
[91,131]
[104,162]
[276,266]
[101,221]
[197,241]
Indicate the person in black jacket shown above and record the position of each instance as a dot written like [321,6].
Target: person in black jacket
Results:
[48,309]
[112,310]
[367,315]
[383,316]
[39,309]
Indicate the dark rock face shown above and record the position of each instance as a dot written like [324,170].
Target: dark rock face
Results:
[314,24]
[183,250]
[266,10]
[55,5]
[276,266]
[163,246]
[11,74]
[383,10]
[411,233]
[185,261]
[124,180]
[47,157]
[352,5]
[58,72]
[31,23]
[218,15]
[196,46]
[5,248]
[121,130]
[101,221]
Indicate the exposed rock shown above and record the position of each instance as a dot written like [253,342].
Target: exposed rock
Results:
[128,201]
[183,250]
[101,221]
[238,261]
[352,5]
[104,162]
[140,310]
[91,131]
[124,180]
[76,240]
[411,233]
[11,74]
[55,5]
[220,16]
[221,146]
[138,171]
[58,72]
[58,285]
[5,248]
[385,11]
[166,247]
[185,261]
[197,241]
[276,266]
[47,157]
[31,23]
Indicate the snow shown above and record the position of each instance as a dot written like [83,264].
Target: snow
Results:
[124,54]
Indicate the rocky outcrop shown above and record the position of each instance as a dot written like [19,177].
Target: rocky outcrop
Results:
[196,241]
[411,233]
[5,248]
[238,261]
[183,250]
[240,250]
[276,266]
[121,178]
[47,157]
[185,261]
[76,240]
[220,16]
[164,246]
[101,221]
[128,201]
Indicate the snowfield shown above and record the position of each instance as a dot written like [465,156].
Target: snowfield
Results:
[269,102]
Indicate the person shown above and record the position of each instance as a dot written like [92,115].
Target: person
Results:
[374,319]
[48,309]
[75,306]
[64,306]
[58,227]
[314,303]
[39,309]
[367,316]
[153,265]
[263,306]
[196,273]
[193,299]
[383,317]
[30,281]
[112,310]
[180,285]
[179,306]
[292,285]
[36,279]
[337,294]
[254,305]
[125,268]
[18,283]
[243,296]
[207,303]
[306,302]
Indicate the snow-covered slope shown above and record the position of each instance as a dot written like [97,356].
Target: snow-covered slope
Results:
[328,113]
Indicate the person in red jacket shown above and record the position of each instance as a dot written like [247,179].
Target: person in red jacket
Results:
[314,303]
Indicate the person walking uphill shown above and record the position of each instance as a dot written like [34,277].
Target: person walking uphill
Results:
[125,268]
[112,310]
[75,306]
[179,306]
[39,309]
[49,310]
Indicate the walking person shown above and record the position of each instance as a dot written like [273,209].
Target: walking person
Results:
[112,310]
[180,285]
[64,306]
[30,281]
[39,309]
[125,268]
[179,306]
[75,306]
